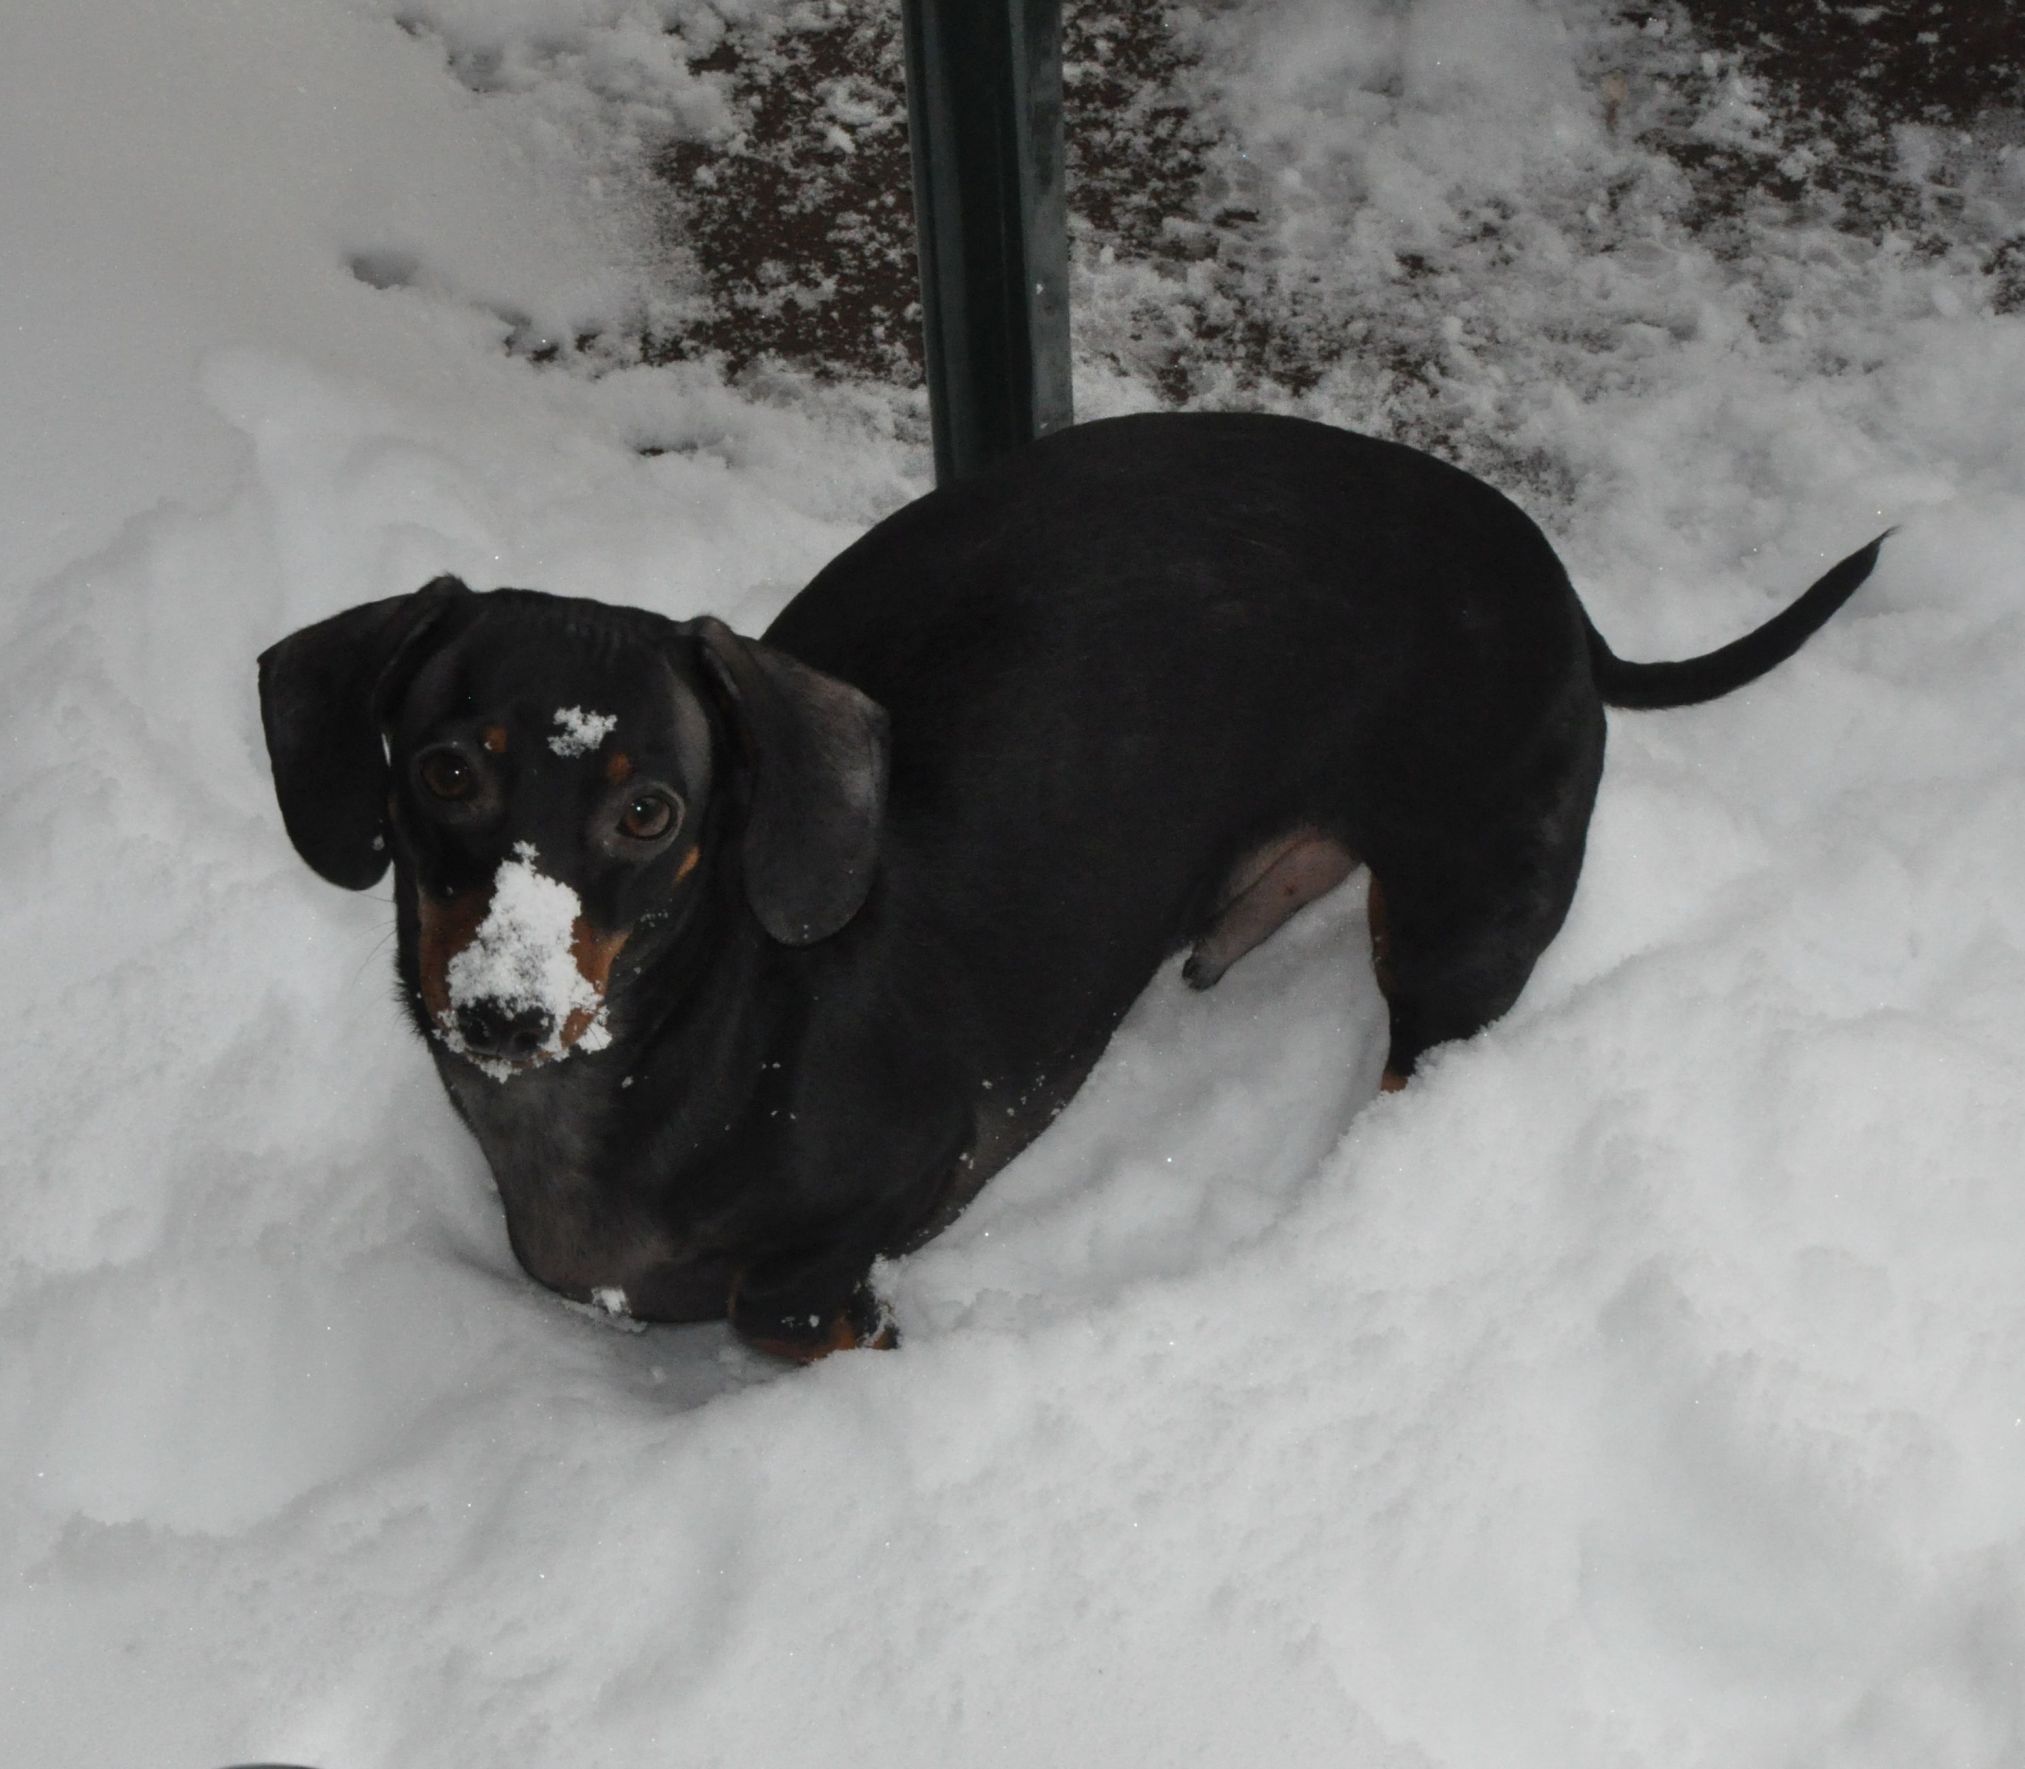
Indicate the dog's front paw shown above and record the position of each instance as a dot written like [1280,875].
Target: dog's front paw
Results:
[863,1324]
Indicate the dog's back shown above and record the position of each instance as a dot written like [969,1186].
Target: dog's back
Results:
[1154,646]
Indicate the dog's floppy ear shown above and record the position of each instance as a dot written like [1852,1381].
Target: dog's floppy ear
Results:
[817,749]
[322,692]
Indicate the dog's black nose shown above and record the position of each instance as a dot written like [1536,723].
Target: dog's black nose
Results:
[492,1029]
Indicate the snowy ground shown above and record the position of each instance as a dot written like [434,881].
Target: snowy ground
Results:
[1643,1387]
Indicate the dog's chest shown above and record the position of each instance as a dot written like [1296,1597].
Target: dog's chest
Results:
[537,1130]
[575,1225]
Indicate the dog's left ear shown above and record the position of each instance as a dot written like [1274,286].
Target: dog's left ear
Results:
[322,693]
[818,753]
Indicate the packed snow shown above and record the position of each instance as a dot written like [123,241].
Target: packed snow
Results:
[1641,1388]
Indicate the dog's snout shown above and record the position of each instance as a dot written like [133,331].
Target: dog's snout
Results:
[492,1029]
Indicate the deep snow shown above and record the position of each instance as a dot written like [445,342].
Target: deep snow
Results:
[1643,1386]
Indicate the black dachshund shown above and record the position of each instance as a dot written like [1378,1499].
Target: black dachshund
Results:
[748,962]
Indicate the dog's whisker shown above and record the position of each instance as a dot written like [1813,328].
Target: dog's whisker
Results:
[380,945]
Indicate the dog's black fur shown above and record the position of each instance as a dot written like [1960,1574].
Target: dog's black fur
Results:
[1157,680]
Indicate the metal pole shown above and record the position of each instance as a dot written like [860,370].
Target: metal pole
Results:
[984,113]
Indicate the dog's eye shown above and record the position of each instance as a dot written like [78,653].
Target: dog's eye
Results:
[648,817]
[447,774]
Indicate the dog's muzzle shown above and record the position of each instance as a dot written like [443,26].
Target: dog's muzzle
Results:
[514,976]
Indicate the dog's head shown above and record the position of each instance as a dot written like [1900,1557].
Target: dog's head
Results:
[550,776]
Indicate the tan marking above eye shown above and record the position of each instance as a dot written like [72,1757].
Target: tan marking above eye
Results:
[494,739]
[618,767]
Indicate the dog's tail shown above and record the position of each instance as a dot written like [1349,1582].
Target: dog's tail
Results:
[1695,679]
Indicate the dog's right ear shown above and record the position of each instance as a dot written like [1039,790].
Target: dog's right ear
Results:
[322,694]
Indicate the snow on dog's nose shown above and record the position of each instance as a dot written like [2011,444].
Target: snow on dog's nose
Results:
[517,992]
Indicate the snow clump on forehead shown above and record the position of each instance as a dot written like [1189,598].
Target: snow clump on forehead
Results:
[522,959]
[581,731]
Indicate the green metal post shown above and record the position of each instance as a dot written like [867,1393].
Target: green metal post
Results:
[984,109]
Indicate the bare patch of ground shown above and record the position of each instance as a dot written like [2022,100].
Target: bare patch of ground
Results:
[1885,123]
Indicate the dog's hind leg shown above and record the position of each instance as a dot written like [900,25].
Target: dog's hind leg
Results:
[1264,889]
